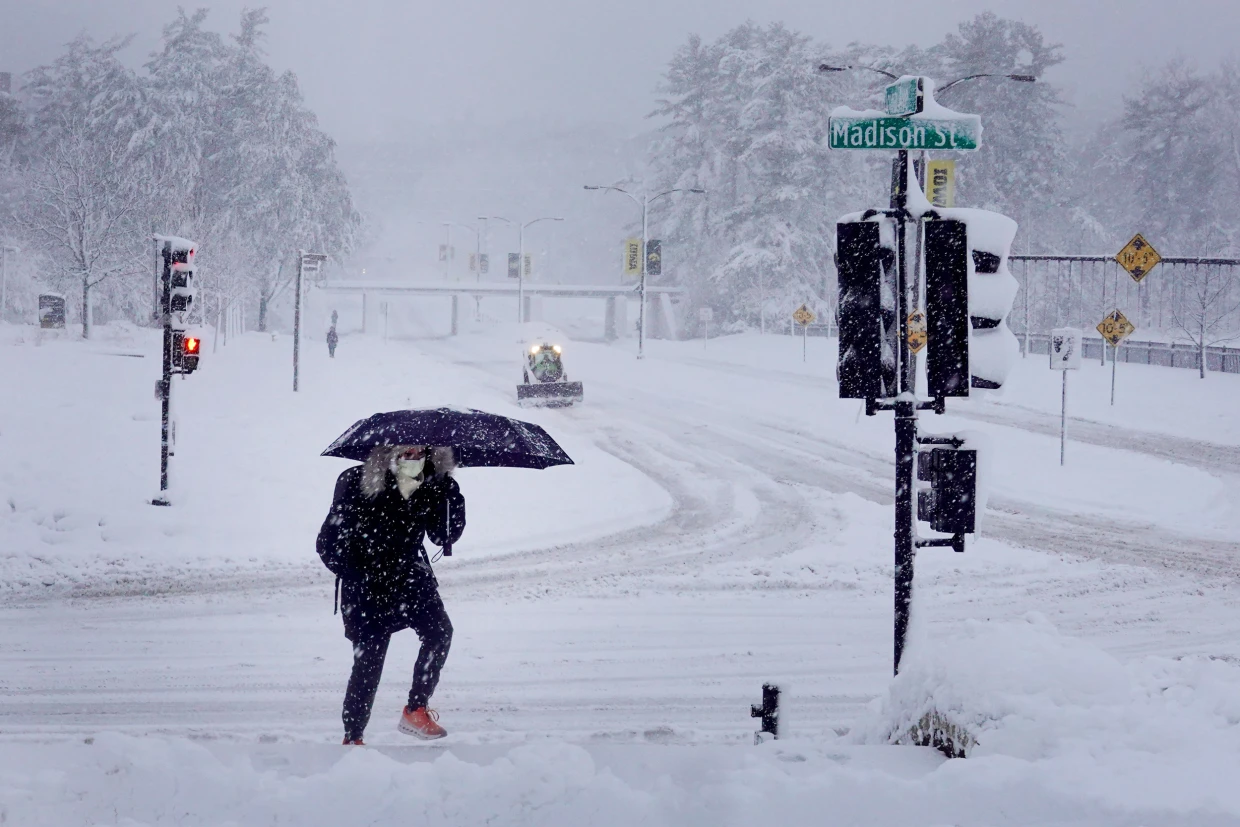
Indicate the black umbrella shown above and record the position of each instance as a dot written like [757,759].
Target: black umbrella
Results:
[477,438]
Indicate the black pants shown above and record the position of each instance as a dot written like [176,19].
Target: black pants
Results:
[430,620]
[331,351]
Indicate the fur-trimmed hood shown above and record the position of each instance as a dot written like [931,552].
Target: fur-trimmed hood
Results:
[376,467]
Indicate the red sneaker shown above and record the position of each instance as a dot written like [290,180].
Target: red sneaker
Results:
[355,742]
[421,723]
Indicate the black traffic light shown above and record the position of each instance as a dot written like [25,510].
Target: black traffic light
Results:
[185,351]
[949,505]
[654,257]
[947,308]
[969,344]
[179,276]
[866,366]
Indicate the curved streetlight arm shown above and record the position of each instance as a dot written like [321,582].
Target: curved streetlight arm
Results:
[544,218]
[669,192]
[826,67]
[1017,78]
[631,196]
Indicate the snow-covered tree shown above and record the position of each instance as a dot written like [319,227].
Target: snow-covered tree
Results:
[1205,307]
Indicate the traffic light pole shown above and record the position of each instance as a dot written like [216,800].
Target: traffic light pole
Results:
[906,420]
[301,259]
[165,382]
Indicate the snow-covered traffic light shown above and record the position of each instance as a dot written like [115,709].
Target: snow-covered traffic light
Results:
[950,503]
[866,366]
[947,308]
[966,267]
[185,352]
[182,280]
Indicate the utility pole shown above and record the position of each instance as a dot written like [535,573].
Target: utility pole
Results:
[306,263]
[180,352]
[521,257]
[644,202]
[5,252]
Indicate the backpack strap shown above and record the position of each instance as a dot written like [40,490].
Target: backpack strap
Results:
[336,601]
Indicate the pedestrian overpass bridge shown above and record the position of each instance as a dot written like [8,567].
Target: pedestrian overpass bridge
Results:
[663,323]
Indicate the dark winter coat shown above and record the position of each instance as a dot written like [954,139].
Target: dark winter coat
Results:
[373,540]
[332,337]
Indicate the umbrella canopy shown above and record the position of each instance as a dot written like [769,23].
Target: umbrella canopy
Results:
[477,438]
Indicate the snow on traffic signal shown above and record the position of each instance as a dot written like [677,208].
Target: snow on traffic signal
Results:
[966,267]
[950,503]
[866,365]
[185,352]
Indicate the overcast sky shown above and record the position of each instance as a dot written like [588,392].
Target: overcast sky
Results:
[373,68]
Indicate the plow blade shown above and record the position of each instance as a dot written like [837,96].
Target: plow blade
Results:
[549,395]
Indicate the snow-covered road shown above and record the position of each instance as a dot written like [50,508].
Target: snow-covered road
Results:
[726,524]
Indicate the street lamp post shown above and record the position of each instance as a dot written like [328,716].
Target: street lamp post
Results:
[521,257]
[644,202]
[4,278]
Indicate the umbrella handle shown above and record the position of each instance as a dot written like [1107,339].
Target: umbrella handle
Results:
[447,513]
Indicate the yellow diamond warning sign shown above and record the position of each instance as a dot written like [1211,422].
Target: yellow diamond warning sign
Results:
[916,331]
[1138,257]
[1115,327]
[803,316]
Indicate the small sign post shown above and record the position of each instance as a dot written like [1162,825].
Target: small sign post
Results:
[706,315]
[1115,328]
[804,317]
[1065,356]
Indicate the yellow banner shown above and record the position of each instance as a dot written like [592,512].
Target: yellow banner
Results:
[633,257]
[941,183]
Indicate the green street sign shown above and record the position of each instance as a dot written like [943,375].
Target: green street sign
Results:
[904,97]
[865,131]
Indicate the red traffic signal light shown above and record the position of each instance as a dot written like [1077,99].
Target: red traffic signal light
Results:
[192,344]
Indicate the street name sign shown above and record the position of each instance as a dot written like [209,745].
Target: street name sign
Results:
[1138,257]
[874,131]
[1115,327]
[904,97]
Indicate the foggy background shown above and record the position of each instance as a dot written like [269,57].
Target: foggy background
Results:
[451,111]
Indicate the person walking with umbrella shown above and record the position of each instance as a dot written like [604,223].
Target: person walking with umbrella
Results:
[373,540]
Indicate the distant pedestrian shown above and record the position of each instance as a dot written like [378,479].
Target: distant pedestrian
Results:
[333,339]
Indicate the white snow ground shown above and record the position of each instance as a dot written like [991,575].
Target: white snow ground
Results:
[727,522]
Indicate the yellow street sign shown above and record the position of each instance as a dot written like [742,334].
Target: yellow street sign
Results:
[916,331]
[941,183]
[632,256]
[1115,327]
[1138,257]
[803,316]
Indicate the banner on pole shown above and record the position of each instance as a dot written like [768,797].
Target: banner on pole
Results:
[941,183]
[633,257]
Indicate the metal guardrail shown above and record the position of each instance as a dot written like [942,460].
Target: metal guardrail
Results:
[1164,354]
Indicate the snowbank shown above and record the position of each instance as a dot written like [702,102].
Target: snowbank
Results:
[1024,690]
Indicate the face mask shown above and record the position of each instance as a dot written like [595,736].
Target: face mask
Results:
[410,467]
